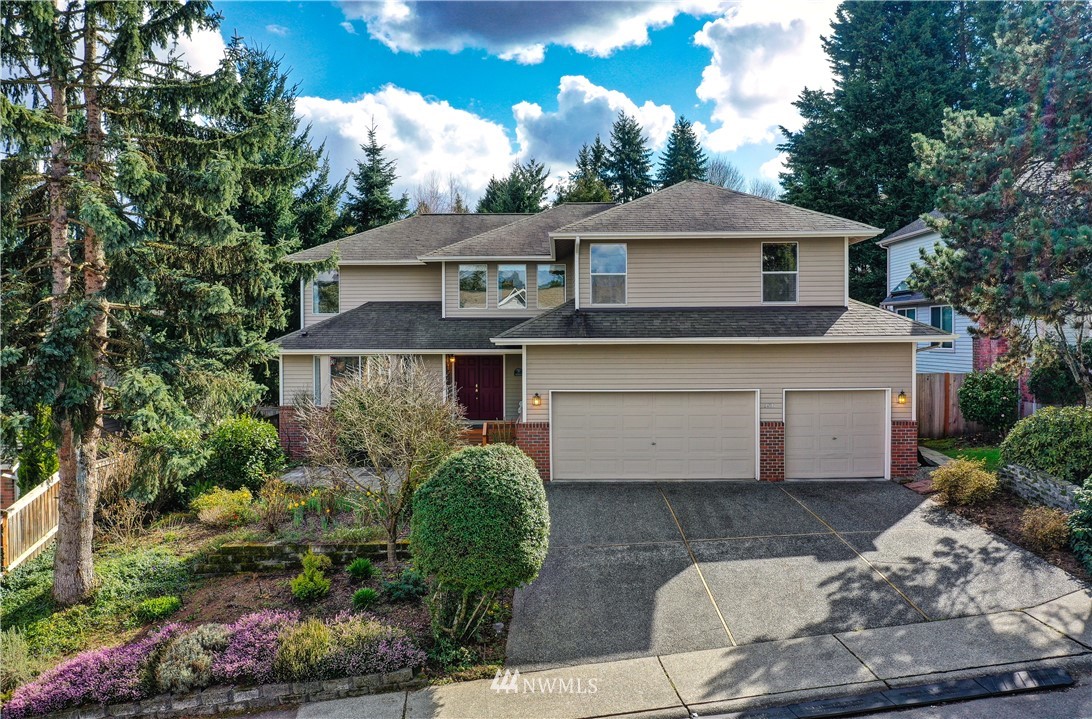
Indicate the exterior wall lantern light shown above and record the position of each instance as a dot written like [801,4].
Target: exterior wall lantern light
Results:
[536,400]
[902,397]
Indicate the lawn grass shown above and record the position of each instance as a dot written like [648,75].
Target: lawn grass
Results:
[956,448]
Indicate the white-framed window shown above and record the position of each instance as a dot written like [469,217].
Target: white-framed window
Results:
[780,277]
[473,286]
[940,316]
[551,286]
[317,367]
[609,265]
[342,368]
[910,313]
[326,293]
[512,287]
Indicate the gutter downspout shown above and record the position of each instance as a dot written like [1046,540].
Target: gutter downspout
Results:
[576,271]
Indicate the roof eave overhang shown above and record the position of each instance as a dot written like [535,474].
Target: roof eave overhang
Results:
[487,258]
[361,263]
[715,340]
[853,237]
[887,242]
[396,351]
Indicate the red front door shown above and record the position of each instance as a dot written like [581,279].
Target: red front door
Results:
[479,385]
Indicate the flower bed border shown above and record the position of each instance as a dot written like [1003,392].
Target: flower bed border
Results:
[239,557]
[1038,486]
[233,699]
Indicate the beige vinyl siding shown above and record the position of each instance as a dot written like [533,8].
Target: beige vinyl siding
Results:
[712,272]
[379,283]
[513,386]
[768,368]
[297,377]
[491,310]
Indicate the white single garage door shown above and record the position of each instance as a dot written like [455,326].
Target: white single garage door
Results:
[653,435]
[835,434]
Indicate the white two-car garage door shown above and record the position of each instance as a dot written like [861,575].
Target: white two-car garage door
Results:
[837,434]
[653,435]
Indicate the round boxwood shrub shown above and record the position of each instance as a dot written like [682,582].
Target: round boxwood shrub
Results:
[243,452]
[481,521]
[991,399]
[1055,440]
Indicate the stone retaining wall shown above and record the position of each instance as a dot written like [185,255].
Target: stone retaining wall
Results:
[275,556]
[1039,487]
[216,700]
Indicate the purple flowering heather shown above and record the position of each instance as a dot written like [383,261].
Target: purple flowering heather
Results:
[251,648]
[116,674]
[366,646]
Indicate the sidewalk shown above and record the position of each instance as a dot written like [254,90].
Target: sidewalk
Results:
[719,681]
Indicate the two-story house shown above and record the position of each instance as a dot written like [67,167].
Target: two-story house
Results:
[695,333]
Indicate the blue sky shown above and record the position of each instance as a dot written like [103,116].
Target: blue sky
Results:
[462,89]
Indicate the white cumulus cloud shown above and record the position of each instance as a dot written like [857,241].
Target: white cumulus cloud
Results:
[763,54]
[348,27]
[422,134]
[279,30]
[771,169]
[202,51]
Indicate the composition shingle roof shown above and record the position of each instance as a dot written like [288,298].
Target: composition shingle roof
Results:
[405,240]
[397,326]
[527,237]
[699,207]
[856,321]
[917,227]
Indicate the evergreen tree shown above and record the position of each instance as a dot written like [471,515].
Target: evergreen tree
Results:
[628,165]
[683,159]
[523,190]
[370,202]
[1014,190]
[897,67]
[135,273]
[586,184]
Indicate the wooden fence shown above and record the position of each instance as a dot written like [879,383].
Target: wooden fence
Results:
[938,406]
[28,525]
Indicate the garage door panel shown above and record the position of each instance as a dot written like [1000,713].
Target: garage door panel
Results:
[653,435]
[835,434]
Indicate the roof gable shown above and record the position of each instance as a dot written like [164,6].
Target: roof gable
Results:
[914,229]
[700,208]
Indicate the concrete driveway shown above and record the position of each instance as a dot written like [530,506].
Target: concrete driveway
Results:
[643,569]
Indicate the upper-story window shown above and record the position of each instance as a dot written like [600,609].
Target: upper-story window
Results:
[608,273]
[325,298]
[551,286]
[779,272]
[941,318]
[512,287]
[472,286]
[910,313]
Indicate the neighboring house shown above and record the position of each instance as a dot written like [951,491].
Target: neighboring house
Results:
[695,333]
[904,248]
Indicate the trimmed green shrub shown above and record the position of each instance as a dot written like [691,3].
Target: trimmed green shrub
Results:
[361,569]
[186,663]
[301,650]
[964,481]
[156,608]
[1045,528]
[311,584]
[1051,381]
[364,598]
[16,664]
[1080,526]
[409,585]
[990,398]
[1055,440]
[38,457]
[243,452]
[224,508]
[480,525]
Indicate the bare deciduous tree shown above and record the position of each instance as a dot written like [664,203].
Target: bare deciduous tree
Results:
[431,196]
[385,431]
[764,188]
[722,172]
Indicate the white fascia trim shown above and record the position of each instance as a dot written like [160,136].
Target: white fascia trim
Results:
[914,384]
[707,235]
[894,241]
[340,352]
[845,269]
[391,263]
[713,340]
[443,290]
[489,258]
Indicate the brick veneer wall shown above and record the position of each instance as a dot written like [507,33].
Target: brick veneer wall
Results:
[534,439]
[771,451]
[904,448]
[7,490]
[291,434]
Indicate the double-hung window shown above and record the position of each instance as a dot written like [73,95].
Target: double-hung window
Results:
[473,286]
[910,313]
[512,287]
[551,286]
[941,318]
[609,262]
[779,272]
[325,299]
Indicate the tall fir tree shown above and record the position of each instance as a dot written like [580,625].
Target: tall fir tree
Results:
[897,67]
[585,183]
[523,190]
[134,272]
[683,158]
[629,161]
[370,202]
